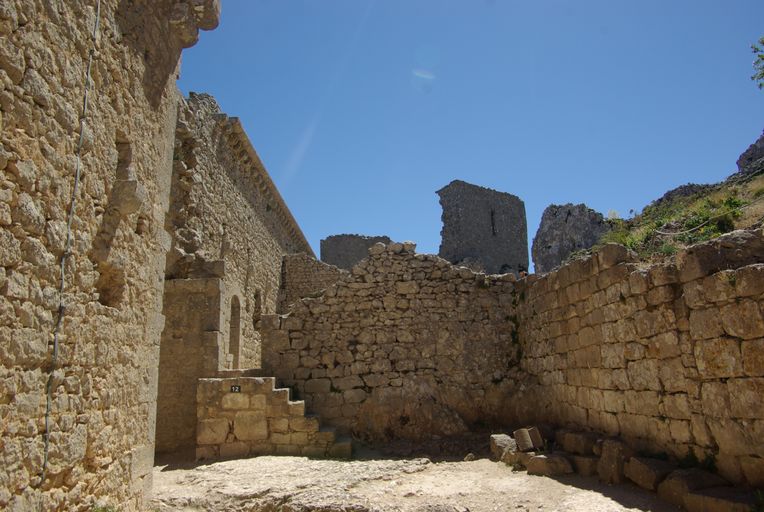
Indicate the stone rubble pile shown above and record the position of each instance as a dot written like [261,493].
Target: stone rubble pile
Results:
[612,461]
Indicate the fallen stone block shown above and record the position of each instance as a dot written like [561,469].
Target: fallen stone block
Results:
[522,458]
[585,465]
[581,443]
[552,464]
[720,499]
[612,461]
[647,473]
[681,481]
[528,439]
[499,444]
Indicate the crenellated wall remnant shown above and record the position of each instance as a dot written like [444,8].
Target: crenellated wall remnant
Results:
[665,356]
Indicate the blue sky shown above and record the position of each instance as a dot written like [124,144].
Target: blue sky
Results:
[362,109]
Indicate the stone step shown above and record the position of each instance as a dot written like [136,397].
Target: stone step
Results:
[282,394]
[263,420]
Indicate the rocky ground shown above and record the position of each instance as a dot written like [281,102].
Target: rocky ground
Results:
[297,484]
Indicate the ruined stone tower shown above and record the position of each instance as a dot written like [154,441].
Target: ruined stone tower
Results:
[483,226]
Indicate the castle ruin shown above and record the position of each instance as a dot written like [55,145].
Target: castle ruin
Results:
[344,251]
[483,228]
[156,295]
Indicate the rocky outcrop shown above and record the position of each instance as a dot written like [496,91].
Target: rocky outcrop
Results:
[751,155]
[563,230]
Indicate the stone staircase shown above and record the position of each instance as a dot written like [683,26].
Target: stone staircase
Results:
[240,414]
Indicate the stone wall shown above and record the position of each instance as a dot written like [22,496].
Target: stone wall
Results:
[406,346]
[483,228]
[230,227]
[227,218]
[344,251]
[666,356]
[192,346]
[302,276]
[104,388]
[246,416]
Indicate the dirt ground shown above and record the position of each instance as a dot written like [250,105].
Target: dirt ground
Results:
[297,484]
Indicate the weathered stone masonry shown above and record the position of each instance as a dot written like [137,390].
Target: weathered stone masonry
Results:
[230,232]
[406,346]
[104,390]
[483,229]
[667,357]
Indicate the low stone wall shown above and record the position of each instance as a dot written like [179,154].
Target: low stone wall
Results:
[302,276]
[406,346]
[668,356]
[244,416]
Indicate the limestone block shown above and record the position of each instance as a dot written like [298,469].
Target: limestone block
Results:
[715,399]
[705,324]
[501,443]
[647,473]
[406,287]
[250,426]
[528,439]
[354,396]
[746,397]
[257,402]
[750,280]
[553,464]
[753,470]
[12,60]
[280,425]
[28,215]
[743,320]
[610,467]
[612,254]
[212,431]
[318,386]
[341,449]
[585,465]
[644,374]
[206,452]
[235,401]
[128,196]
[731,250]
[10,249]
[718,358]
[581,443]
[720,499]
[304,424]
[681,481]
[753,357]
[234,450]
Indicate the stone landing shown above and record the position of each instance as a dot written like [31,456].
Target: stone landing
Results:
[242,416]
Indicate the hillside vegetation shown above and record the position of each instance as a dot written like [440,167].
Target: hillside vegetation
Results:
[693,213]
